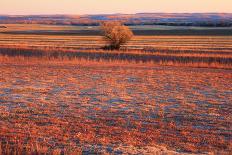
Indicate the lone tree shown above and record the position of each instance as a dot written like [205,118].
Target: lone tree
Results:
[116,34]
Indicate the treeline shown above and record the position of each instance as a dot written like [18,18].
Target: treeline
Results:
[201,19]
[202,24]
[86,23]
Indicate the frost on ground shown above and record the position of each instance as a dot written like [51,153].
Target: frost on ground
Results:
[119,109]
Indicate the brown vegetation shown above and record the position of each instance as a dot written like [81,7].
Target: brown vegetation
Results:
[64,95]
[116,34]
[49,108]
[134,56]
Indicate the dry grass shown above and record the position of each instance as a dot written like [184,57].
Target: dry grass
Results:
[58,96]
[87,107]
[194,51]
[133,56]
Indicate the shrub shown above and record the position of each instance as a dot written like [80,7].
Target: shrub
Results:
[116,34]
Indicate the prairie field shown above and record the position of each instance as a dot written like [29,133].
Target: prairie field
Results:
[195,51]
[148,30]
[116,109]
[163,94]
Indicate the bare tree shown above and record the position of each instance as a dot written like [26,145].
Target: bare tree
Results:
[116,34]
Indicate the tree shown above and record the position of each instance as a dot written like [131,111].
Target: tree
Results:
[116,34]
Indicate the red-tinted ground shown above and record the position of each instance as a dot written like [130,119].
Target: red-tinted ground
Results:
[114,109]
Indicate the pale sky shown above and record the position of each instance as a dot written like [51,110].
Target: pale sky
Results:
[22,7]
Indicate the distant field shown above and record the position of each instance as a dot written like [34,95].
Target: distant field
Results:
[198,51]
[94,30]
[196,43]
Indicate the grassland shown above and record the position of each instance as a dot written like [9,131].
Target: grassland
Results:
[114,108]
[195,51]
[63,94]
[148,30]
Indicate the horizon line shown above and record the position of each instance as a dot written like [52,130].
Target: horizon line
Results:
[67,14]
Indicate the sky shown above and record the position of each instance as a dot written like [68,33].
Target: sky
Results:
[26,7]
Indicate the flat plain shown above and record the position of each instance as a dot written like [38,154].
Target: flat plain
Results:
[114,103]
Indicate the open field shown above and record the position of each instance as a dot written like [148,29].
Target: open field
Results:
[60,93]
[133,57]
[148,30]
[112,108]
[195,51]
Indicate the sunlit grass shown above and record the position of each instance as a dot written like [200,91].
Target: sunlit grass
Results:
[65,95]
[47,107]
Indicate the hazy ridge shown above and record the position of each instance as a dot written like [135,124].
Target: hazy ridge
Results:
[170,19]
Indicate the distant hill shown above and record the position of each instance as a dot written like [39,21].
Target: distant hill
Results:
[170,19]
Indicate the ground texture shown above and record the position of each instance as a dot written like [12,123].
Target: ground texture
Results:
[114,109]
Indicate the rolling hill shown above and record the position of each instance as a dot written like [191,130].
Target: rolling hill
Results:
[170,19]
